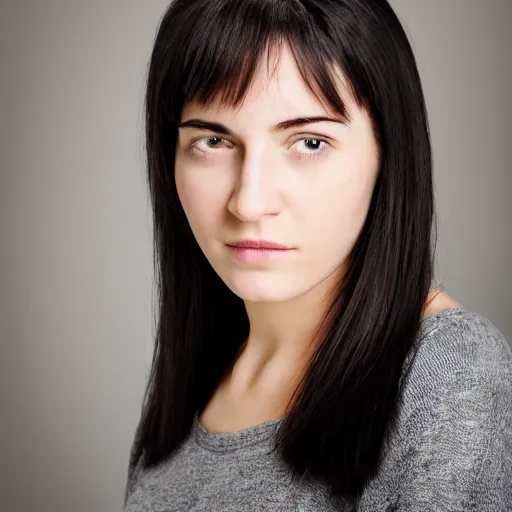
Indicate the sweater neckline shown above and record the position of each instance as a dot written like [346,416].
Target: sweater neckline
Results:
[263,432]
[228,441]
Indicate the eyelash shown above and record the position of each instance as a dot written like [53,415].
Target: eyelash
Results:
[311,156]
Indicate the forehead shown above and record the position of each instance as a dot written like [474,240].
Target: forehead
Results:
[277,90]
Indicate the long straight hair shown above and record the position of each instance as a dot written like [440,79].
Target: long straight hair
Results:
[342,414]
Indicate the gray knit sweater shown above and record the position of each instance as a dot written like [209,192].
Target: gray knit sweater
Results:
[452,450]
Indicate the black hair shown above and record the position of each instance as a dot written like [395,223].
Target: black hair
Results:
[343,412]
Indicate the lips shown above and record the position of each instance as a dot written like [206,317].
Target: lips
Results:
[258,244]
[258,253]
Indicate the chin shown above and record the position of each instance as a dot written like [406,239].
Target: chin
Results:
[267,288]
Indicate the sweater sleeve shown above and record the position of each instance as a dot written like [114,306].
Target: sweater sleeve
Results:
[462,460]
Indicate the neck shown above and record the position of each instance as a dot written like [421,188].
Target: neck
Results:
[281,338]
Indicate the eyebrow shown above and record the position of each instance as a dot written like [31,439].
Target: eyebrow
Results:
[283,125]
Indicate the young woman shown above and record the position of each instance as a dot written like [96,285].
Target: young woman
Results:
[304,359]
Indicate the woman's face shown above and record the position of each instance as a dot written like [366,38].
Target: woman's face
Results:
[307,187]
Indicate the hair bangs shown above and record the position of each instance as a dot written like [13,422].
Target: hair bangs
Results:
[231,41]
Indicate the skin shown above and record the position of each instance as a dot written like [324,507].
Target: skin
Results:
[308,187]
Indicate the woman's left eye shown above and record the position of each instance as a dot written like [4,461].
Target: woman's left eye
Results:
[313,144]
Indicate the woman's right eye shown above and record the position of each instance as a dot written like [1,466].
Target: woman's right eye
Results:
[216,143]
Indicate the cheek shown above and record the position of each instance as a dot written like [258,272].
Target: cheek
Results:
[338,213]
[200,199]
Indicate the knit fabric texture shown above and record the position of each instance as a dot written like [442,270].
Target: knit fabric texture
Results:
[451,450]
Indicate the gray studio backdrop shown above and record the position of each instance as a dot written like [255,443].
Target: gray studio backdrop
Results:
[76,259]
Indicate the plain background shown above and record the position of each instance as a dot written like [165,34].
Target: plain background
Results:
[76,259]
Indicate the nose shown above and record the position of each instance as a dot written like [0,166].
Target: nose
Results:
[255,191]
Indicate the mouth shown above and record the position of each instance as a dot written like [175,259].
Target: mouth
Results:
[258,245]
[257,254]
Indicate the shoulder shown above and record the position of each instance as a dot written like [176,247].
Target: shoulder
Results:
[455,427]
[453,343]
[451,446]
[459,360]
